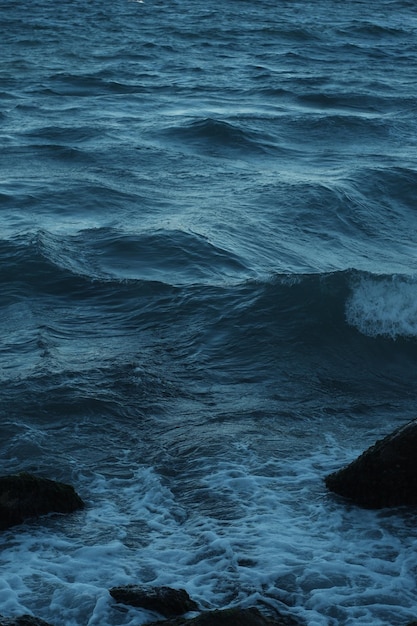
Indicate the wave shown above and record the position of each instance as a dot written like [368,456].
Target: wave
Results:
[65,84]
[374,31]
[112,293]
[384,306]
[322,305]
[64,134]
[316,332]
[375,305]
[103,255]
[172,256]
[218,137]
[303,306]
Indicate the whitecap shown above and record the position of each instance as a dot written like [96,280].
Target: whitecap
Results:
[384,306]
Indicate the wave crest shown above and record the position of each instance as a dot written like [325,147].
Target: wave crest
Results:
[384,306]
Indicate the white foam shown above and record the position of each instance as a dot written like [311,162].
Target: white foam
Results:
[384,306]
[253,530]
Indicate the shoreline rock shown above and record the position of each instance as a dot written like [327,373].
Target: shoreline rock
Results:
[231,617]
[164,600]
[174,604]
[24,496]
[385,475]
[22,620]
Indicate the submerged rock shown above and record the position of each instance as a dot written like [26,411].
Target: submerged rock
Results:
[166,601]
[385,475]
[22,620]
[231,617]
[23,496]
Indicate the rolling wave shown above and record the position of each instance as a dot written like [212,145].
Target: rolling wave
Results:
[88,86]
[375,304]
[214,136]
[170,257]
[104,295]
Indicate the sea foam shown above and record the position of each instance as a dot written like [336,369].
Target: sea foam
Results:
[287,544]
[384,306]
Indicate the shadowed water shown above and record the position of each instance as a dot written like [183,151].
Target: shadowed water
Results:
[208,300]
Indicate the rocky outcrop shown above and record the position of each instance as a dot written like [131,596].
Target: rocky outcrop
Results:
[164,600]
[231,617]
[23,496]
[22,620]
[173,603]
[385,475]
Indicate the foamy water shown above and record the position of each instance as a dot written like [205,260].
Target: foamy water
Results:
[384,306]
[269,534]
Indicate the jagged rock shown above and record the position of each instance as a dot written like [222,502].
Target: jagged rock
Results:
[385,475]
[23,496]
[166,601]
[231,617]
[22,620]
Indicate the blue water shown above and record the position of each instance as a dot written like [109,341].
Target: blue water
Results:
[208,300]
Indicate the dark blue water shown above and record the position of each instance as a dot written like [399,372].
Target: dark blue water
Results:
[208,300]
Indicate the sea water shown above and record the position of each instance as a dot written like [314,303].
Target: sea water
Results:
[208,300]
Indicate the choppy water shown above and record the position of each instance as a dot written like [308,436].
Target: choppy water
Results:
[208,300]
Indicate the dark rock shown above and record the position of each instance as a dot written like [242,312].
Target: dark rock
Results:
[231,617]
[169,602]
[23,496]
[22,620]
[385,475]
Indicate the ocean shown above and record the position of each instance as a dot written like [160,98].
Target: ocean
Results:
[208,246]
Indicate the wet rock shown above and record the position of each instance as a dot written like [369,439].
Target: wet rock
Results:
[232,617]
[23,496]
[166,601]
[22,620]
[385,475]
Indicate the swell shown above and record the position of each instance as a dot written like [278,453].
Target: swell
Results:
[170,257]
[87,85]
[218,137]
[310,311]
[62,312]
